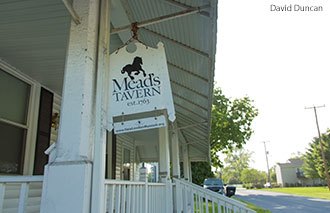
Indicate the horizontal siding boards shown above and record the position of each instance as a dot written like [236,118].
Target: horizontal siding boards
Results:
[56,109]
[12,193]
[124,142]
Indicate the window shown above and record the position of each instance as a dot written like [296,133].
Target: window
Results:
[14,105]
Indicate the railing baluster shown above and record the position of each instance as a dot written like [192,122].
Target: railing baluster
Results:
[146,196]
[141,200]
[112,189]
[178,197]
[192,200]
[118,197]
[2,195]
[123,199]
[206,204]
[23,197]
[129,197]
[138,198]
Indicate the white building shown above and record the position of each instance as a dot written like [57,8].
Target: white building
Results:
[54,68]
[291,174]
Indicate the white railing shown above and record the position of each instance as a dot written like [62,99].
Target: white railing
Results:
[190,197]
[137,197]
[20,193]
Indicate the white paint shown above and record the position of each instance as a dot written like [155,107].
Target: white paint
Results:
[191,198]
[137,93]
[186,162]
[140,124]
[137,197]
[175,152]
[32,115]
[100,133]
[67,188]
[19,187]
[23,197]
[76,121]
[164,154]
[72,170]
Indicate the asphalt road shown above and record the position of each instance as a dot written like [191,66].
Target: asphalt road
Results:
[280,202]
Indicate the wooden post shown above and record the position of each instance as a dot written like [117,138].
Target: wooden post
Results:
[164,154]
[186,163]
[175,152]
[23,197]
[72,170]
[101,94]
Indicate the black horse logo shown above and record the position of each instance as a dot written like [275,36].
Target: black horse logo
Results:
[134,67]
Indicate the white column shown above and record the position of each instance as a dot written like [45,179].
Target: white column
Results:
[175,152]
[186,163]
[164,154]
[67,181]
[102,82]
[190,173]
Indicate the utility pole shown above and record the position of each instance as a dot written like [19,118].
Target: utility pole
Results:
[266,153]
[322,150]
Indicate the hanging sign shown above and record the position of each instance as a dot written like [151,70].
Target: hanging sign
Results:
[140,124]
[139,82]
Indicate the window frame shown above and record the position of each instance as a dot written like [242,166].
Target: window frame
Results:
[28,146]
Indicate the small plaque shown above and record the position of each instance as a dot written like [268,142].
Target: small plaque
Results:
[140,124]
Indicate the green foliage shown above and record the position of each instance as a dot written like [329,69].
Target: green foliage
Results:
[236,161]
[313,166]
[273,175]
[200,172]
[253,176]
[231,124]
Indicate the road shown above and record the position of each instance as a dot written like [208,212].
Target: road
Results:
[280,202]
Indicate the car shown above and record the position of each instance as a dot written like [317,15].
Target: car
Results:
[215,185]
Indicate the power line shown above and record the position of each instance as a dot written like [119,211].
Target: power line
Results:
[322,150]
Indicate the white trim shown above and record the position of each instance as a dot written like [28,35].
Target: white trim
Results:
[16,72]
[32,114]
[22,76]
[21,179]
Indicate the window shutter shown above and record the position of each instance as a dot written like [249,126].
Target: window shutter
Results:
[44,131]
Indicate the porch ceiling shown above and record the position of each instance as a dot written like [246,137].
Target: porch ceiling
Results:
[34,35]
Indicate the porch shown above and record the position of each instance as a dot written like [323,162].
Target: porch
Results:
[23,194]
[54,75]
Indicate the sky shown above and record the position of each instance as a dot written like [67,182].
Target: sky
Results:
[281,60]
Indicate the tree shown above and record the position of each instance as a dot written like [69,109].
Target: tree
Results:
[236,161]
[230,128]
[253,176]
[273,175]
[200,172]
[313,166]
[231,124]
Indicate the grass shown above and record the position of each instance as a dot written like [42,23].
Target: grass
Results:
[253,207]
[249,205]
[315,192]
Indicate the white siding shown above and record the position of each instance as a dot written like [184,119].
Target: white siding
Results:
[124,142]
[56,109]
[11,199]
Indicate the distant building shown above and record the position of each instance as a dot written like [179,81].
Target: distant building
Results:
[291,174]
